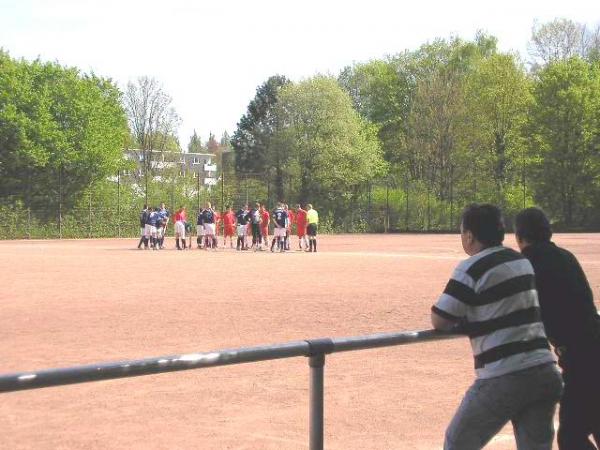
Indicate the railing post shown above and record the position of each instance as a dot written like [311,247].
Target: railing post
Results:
[317,348]
[317,369]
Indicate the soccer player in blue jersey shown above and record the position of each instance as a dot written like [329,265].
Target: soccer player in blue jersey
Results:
[241,218]
[208,216]
[153,219]
[200,228]
[280,220]
[163,212]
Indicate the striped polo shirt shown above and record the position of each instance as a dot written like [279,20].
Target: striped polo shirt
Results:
[493,294]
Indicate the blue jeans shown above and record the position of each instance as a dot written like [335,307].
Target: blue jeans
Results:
[527,398]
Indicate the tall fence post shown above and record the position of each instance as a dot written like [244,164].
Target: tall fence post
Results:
[60,169]
[119,203]
[28,223]
[90,216]
[387,206]
[523,188]
[406,196]
[451,197]
[369,203]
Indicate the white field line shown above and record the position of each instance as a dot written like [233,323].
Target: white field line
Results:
[399,255]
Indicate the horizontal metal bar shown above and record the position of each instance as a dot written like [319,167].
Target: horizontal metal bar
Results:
[389,339]
[161,364]
[133,368]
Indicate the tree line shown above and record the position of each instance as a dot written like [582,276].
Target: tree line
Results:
[413,136]
[456,120]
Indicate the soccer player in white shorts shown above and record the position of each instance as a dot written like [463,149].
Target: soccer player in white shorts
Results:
[200,229]
[180,218]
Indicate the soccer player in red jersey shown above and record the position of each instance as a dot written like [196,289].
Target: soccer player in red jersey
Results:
[301,226]
[264,224]
[228,227]
[180,219]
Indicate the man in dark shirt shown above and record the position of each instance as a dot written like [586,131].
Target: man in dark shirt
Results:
[255,220]
[143,217]
[241,218]
[280,220]
[572,324]
[152,220]
[164,218]
[200,228]
[208,216]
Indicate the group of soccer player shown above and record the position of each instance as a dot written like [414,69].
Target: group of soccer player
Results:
[249,225]
[153,224]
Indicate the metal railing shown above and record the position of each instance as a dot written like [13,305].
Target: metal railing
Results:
[314,349]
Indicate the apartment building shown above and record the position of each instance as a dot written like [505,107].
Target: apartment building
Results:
[179,163]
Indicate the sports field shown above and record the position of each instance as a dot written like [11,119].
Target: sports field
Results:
[75,302]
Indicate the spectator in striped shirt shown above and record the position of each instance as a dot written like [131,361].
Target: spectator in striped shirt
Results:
[491,296]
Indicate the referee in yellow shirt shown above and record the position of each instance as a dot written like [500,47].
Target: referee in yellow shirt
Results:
[312,217]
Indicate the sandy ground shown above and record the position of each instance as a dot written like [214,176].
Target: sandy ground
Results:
[74,302]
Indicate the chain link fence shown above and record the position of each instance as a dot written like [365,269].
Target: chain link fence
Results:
[113,210]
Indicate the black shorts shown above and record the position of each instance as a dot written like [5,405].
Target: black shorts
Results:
[311,230]
[256,230]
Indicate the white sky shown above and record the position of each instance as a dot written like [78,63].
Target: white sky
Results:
[211,57]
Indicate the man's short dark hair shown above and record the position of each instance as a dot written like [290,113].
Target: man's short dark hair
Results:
[532,225]
[485,222]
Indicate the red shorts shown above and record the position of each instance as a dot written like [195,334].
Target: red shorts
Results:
[229,230]
[264,231]
[301,229]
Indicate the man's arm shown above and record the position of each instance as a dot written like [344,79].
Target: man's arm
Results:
[442,323]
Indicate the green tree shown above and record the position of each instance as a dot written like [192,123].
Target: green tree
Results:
[153,122]
[565,125]
[225,141]
[212,146]
[251,142]
[498,98]
[562,39]
[381,92]
[331,148]
[437,122]
[60,132]
[195,144]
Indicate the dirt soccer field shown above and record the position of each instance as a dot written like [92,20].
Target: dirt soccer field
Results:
[65,303]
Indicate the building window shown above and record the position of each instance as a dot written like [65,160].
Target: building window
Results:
[196,160]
